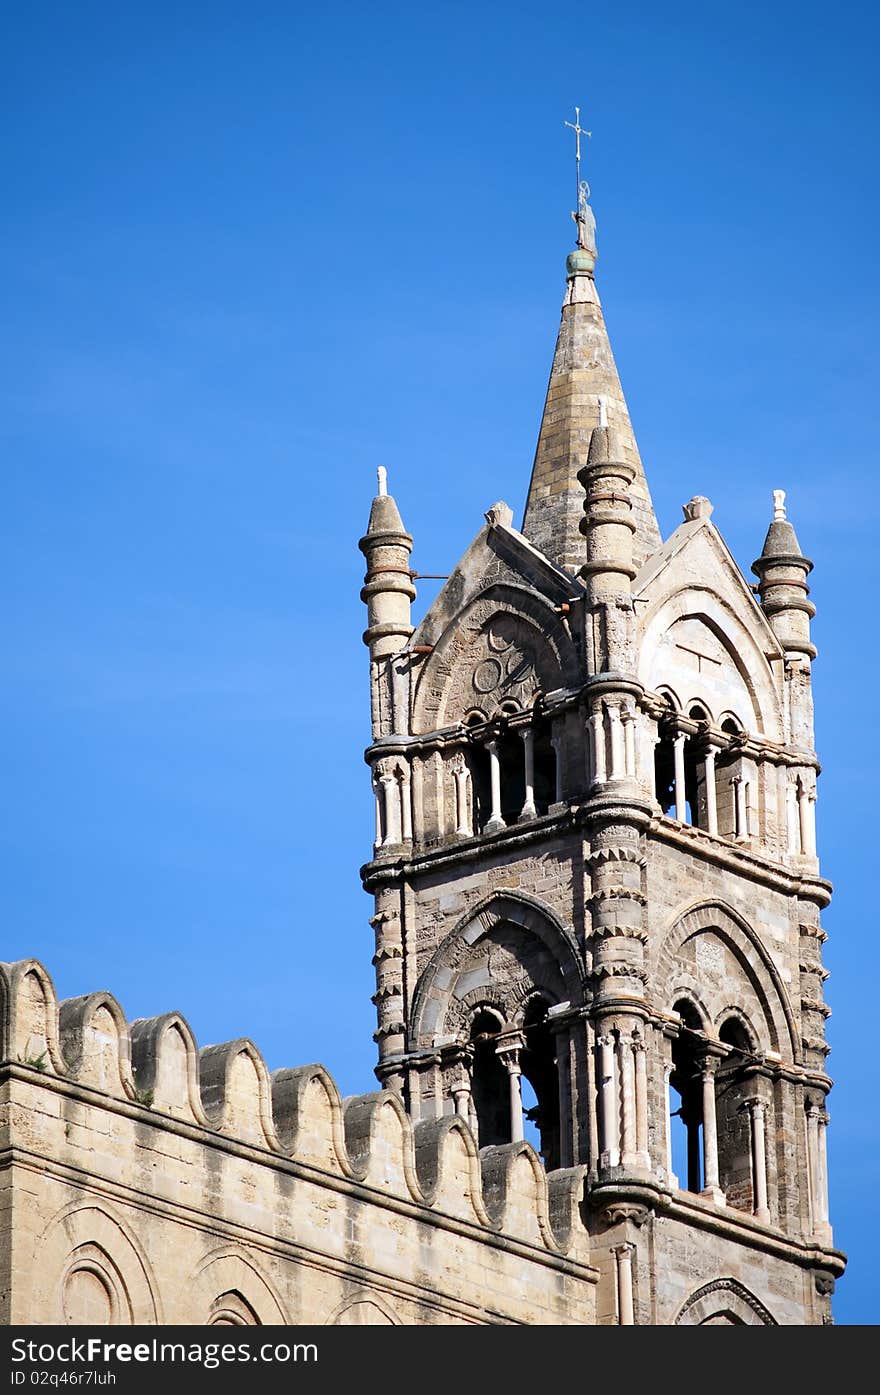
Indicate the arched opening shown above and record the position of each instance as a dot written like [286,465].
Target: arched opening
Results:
[540,1084]
[664,758]
[232,1309]
[686,1100]
[733,1088]
[490,1086]
[513,780]
[478,765]
[545,766]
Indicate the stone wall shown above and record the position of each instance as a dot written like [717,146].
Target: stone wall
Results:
[151,1182]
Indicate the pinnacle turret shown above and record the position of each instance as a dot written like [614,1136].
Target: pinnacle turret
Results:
[388,589]
[782,571]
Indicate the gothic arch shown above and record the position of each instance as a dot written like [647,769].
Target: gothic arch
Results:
[738,639]
[533,631]
[541,935]
[224,1274]
[363,1309]
[714,918]
[90,1241]
[724,1301]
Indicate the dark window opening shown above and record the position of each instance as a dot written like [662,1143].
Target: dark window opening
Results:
[545,767]
[490,1083]
[664,774]
[539,1071]
[686,1101]
[513,776]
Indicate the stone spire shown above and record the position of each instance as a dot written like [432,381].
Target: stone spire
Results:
[584,391]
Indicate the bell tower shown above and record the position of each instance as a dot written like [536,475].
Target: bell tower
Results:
[597,894]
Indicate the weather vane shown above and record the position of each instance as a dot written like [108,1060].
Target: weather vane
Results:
[583,215]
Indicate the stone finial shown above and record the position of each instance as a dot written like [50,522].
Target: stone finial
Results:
[499,516]
[779,515]
[698,507]
[382,476]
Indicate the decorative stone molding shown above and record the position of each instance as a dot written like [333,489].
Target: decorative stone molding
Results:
[626,1211]
[615,854]
[616,893]
[623,932]
[720,1298]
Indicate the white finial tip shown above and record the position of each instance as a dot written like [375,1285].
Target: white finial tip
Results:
[382,476]
[603,411]
[779,506]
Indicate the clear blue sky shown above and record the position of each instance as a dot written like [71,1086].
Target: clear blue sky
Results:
[253,251]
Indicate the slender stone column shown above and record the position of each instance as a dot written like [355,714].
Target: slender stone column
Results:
[558,743]
[625,1308]
[563,1073]
[597,722]
[791,809]
[628,718]
[510,1044]
[670,1171]
[608,1104]
[641,1059]
[806,819]
[822,1169]
[741,808]
[418,800]
[759,1161]
[813,1162]
[391,796]
[618,764]
[711,797]
[403,779]
[528,810]
[462,1096]
[628,1100]
[495,819]
[711,1186]
[377,789]
[439,768]
[680,797]
[462,804]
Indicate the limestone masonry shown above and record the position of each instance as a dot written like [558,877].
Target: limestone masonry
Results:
[599,981]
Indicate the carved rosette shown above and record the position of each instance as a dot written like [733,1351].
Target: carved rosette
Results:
[616,905]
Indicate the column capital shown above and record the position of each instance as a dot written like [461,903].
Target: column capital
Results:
[507,1048]
[624,1249]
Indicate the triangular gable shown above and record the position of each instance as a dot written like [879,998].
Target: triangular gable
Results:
[697,554]
[497,554]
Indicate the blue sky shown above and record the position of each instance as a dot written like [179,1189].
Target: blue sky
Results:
[253,252]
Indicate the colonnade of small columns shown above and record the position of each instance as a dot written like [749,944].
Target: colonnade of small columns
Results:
[797,788]
[817,1168]
[622,1081]
[398,787]
[612,753]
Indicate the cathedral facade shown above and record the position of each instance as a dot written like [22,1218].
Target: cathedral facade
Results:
[598,952]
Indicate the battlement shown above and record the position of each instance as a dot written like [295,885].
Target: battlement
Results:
[133,1083]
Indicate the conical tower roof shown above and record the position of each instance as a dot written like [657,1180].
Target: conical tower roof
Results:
[584,392]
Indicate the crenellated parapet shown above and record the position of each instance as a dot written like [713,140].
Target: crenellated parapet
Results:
[225,1098]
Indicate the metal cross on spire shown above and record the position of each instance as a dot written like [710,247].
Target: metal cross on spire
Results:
[579,131]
